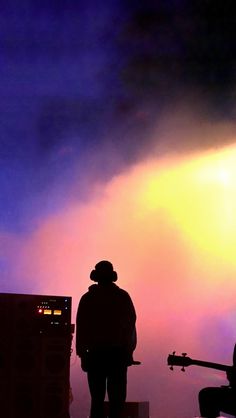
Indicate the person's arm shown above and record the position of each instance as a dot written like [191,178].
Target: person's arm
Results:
[130,329]
[81,334]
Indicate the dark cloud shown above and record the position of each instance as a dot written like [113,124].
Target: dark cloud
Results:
[178,47]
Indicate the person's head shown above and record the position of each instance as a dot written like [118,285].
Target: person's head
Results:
[103,273]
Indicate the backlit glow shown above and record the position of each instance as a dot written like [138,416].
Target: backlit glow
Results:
[199,196]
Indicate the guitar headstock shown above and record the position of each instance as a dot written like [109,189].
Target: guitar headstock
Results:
[183,360]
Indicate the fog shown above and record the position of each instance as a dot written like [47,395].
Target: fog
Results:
[167,224]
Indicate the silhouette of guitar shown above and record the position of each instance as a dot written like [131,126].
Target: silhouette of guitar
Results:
[185,361]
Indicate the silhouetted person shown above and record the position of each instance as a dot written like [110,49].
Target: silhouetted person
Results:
[106,339]
[213,400]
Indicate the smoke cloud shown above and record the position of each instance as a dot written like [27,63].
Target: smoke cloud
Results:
[167,224]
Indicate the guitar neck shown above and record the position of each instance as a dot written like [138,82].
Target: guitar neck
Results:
[211,365]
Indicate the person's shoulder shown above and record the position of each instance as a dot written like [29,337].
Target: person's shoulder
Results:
[90,291]
[123,292]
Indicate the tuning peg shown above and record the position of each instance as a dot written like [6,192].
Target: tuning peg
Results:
[173,353]
[184,354]
[171,368]
[183,369]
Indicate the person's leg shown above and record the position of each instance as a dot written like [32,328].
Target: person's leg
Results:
[116,390]
[212,400]
[97,387]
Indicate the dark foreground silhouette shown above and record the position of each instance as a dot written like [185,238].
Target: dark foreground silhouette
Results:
[212,400]
[106,339]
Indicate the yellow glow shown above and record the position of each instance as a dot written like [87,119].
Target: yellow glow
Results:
[47,312]
[199,195]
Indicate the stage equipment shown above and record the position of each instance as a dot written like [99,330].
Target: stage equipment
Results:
[35,348]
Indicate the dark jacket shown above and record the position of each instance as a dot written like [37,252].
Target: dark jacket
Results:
[105,320]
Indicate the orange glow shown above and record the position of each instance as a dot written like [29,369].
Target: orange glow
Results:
[57,312]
